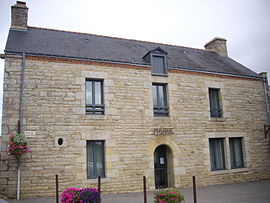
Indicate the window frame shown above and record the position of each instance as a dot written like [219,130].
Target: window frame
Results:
[214,154]
[160,111]
[152,55]
[233,153]
[95,109]
[215,112]
[92,143]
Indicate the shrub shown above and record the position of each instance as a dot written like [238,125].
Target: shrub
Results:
[80,195]
[169,195]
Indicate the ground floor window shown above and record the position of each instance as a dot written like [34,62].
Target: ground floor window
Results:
[236,152]
[95,159]
[217,154]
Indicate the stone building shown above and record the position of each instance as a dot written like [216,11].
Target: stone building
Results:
[122,109]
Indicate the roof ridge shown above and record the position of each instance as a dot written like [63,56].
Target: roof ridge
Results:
[135,40]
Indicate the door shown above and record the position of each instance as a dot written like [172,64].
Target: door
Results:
[160,163]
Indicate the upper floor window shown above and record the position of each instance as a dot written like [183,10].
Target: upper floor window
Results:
[158,60]
[94,103]
[215,106]
[159,65]
[160,100]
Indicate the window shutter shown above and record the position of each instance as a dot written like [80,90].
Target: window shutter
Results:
[158,65]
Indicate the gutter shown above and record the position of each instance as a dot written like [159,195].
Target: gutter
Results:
[137,64]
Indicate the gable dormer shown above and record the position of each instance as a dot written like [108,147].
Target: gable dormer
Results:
[158,60]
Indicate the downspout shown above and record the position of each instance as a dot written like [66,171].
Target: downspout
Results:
[265,87]
[20,126]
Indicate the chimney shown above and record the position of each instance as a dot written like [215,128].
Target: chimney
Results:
[217,45]
[19,16]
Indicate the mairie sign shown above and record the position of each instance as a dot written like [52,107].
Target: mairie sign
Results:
[163,131]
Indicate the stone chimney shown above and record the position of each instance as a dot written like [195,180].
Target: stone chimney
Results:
[217,45]
[19,16]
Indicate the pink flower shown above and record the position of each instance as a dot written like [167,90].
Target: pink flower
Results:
[172,199]
[172,192]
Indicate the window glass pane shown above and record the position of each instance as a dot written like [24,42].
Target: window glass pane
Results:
[154,92]
[236,153]
[95,159]
[159,64]
[97,92]
[161,96]
[214,102]
[89,93]
[217,154]
[160,100]
[90,160]
[99,159]
[94,97]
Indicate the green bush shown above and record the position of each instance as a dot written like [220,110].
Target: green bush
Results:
[169,195]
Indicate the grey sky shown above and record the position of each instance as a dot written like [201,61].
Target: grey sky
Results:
[192,23]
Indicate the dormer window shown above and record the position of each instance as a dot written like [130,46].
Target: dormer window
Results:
[159,65]
[158,59]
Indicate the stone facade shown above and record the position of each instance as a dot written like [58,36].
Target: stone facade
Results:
[54,107]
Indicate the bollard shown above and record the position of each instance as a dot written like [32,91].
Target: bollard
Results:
[194,189]
[57,195]
[144,189]
[99,185]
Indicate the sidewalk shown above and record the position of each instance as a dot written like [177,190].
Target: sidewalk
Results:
[248,192]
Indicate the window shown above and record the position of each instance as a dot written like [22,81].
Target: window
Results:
[160,100]
[214,98]
[236,152]
[94,96]
[159,65]
[95,159]
[158,60]
[217,154]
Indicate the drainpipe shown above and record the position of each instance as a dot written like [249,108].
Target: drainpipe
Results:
[20,130]
[20,121]
[20,127]
[265,88]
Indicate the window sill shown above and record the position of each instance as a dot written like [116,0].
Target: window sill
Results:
[227,171]
[161,116]
[157,74]
[217,119]
[95,180]
[95,116]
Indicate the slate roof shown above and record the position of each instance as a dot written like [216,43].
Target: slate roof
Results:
[39,41]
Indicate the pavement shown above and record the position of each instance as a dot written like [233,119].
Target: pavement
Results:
[248,192]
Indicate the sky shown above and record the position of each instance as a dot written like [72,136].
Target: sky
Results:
[190,23]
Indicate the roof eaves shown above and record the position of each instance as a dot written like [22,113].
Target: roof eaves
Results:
[79,58]
[217,73]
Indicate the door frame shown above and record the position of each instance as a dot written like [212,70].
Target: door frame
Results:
[161,166]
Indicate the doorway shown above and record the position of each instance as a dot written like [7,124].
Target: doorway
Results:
[161,167]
